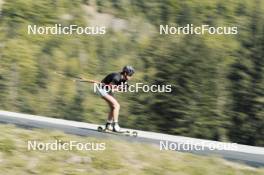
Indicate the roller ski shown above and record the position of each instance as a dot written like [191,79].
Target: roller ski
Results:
[114,128]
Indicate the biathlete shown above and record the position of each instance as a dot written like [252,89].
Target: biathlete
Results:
[106,92]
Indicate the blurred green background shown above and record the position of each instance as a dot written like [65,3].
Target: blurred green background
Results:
[218,85]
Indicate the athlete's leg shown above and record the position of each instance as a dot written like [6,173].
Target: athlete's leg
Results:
[114,107]
[110,118]
[112,121]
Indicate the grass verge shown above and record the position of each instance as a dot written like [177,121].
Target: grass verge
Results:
[119,157]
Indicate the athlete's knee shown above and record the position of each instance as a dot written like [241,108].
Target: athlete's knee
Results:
[115,106]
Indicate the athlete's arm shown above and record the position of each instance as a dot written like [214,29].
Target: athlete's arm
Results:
[114,84]
[114,88]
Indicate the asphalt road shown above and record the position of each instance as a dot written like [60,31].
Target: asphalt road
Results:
[253,156]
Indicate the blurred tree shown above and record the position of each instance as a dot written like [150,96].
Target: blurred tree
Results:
[191,107]
[247,87]
[75,111]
